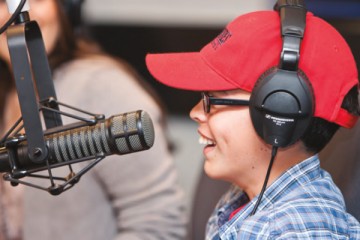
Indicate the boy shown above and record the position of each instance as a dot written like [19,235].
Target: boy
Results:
[274,86]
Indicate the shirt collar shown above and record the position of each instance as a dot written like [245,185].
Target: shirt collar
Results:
[299,174]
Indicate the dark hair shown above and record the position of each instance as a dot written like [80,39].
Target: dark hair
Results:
[70,45]
[6,86]
[321,131]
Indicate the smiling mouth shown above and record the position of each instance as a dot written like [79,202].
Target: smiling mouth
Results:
[206,141]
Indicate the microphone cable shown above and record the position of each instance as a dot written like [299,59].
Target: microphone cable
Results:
[273,155]
[13,16]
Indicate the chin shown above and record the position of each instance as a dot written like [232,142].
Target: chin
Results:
[213,172]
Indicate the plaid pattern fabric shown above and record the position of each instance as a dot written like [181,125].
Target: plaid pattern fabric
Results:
[303,203]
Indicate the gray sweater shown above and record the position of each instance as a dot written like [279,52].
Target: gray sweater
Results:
[134,196]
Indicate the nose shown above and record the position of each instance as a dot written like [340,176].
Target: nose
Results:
[197,113]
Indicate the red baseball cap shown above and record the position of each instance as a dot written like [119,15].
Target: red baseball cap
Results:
[250,45]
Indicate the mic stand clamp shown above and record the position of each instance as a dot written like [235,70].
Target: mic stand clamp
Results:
[12,138]
[30,65]
[26,45]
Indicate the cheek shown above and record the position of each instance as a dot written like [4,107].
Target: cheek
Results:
[237,140]
[4,51]
[237,144]
[4,16]
[235,130]
[50,36]
[45,14]
[4,13]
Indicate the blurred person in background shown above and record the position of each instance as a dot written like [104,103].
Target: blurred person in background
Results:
[135,196]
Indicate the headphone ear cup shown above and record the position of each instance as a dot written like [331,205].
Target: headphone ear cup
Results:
[281,107]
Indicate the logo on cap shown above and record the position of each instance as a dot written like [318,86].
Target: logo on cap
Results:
[221,39]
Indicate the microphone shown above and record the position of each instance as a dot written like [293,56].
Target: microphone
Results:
[120,134]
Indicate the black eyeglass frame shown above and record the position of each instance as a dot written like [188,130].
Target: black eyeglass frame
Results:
[209,100]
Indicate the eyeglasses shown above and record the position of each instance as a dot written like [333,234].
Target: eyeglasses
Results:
[208,101]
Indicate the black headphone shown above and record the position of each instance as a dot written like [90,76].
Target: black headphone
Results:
[72,10]
[282,101]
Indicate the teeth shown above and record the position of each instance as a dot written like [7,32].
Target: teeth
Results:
[205,141]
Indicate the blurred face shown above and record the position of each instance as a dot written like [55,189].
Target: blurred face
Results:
[233,151]
[45,13]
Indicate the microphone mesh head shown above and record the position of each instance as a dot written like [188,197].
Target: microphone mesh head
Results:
[132,132]
[148,129]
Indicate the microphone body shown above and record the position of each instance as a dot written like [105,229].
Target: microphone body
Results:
[120,134]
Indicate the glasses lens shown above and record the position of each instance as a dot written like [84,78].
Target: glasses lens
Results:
[206,104]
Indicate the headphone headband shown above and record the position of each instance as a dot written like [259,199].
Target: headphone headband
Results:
[293,20]
[292,3]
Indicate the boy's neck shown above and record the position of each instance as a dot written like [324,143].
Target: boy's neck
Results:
[285,159]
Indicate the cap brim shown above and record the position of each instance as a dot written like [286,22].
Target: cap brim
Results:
[186,71]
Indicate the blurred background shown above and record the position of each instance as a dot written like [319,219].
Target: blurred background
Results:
[131,28]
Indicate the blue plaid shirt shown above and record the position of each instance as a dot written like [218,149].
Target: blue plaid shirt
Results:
[303,203]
